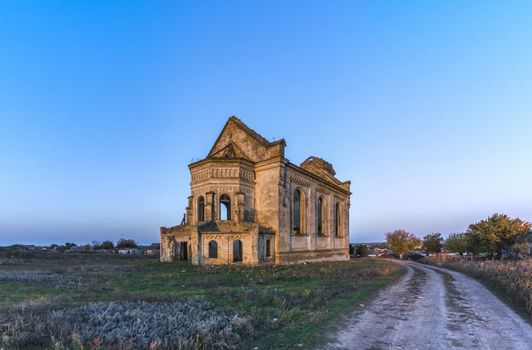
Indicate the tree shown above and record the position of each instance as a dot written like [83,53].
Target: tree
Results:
[492,234]
[66,246]
[432,243]
[401,241]
[126,243]
[362,250]
[457,243]
[105,245]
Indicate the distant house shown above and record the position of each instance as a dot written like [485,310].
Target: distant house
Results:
[104,251]
[130,251]
[379,251]
[153,250]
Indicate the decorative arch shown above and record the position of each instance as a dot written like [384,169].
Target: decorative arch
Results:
[237,250]
[225,207]
[298,211]
[321,215]
[201,208]
[337,220]
[213,249]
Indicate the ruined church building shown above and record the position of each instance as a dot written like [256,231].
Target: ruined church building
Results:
[250,205]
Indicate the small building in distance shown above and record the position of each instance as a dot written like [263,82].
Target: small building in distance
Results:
[130,251]
[153,249]
[250,205]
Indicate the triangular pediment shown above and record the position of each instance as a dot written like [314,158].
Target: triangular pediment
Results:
[230,151]
[323,169]
[237,140]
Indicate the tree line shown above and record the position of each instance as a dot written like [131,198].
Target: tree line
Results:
[489,237]
[108,245]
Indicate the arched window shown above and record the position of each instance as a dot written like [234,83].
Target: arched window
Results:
[337,223]
[237,250]
[320,215]
[201,208]
[225,207]
[213,250]
[298,212]
[268,248]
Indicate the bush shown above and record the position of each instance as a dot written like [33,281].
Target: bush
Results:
[362,250]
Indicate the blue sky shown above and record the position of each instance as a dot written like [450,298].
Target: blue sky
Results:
[426,106]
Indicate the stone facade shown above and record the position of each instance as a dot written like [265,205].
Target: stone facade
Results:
[250,205]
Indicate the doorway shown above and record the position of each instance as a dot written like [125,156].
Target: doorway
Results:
[182,250]
[237,250]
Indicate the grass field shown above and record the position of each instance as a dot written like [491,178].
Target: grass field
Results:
[60,301]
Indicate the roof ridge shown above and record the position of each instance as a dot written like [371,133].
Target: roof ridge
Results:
[253,133]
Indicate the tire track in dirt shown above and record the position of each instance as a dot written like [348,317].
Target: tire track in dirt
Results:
[476,319]
[433,308]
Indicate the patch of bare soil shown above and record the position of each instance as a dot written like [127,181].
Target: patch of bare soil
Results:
[434,308]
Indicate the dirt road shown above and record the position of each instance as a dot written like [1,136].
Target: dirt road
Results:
[433,308]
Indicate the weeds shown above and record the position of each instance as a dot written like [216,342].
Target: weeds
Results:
[62,301]
[183,324]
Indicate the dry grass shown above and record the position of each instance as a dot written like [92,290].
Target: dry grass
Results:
[91,301]
[180,324]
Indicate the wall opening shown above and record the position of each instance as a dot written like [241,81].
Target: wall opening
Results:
[298,210]
[320,216]
[181,250]
[237,250]
[225,207]
[268,248]
[201,208]
[213,250]
[337,225]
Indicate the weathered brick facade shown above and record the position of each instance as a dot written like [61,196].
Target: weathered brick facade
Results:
[250,205]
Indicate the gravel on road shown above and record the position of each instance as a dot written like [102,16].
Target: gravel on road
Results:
[433,308]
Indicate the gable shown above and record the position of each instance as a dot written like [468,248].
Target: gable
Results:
[230,151]
[237,140]
[320,167]
[324,170]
